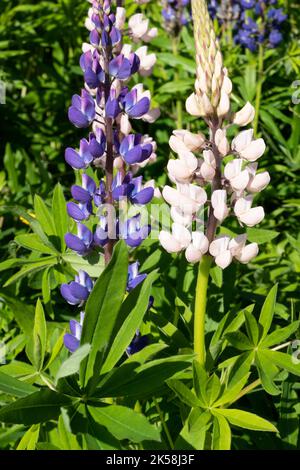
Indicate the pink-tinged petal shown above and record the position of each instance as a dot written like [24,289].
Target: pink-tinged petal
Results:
[253,217]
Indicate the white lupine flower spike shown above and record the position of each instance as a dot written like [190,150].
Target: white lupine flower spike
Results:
[214,177]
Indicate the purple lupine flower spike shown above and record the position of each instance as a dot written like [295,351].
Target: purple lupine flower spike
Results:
[107,65]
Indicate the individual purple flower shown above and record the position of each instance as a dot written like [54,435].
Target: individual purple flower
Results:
[93,73]
[82,158]
[82,242]
[84,193]
[72,340]
[97,143]
[80,211]
[82,111]
[122,68]
[131,188]
[138,343]
[132,231]
[100,194]
[134,278]
[112,107]
[133,151]
[134,105]
[101,233]
[77,292]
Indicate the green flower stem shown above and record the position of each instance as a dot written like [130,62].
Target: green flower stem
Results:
[200,308]
[260,75]
[164,424]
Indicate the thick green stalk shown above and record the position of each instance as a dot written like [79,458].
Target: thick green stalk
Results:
[260,75]
[200,308]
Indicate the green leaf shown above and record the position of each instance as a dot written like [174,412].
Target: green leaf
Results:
[267,311]
[37,347]
[213,388]
[71,365]
[284,361]
[92,264]
[30,438]
[251,327]
[44,216]
[266,371]
[231,392]
[102,309]
[279,335]
[131,314]
[135,380]
[246,420]
[59,211]
[200,379]
[239,341]
[32,241]
[183,393]
[221,438]
[35,408]
[259,235]
[15,387]
[31,267]
[124,423]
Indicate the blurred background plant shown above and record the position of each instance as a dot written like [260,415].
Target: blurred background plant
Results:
[40,46]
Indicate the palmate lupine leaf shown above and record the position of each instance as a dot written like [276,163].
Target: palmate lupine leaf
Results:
[15,387]
[35,408]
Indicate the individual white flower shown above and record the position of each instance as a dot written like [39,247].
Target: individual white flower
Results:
[245,115]
[176,241]
[180,217]
[257,181]
[152,115]
[254,150]
[197,248]
[208,166]
[242,252]
[219,204]
[120,17]
[237,177]
[242,140]
[138,26]
[187,197]
[224,105]
[246,214]
[147,61]
[192,142]
[194,106]
[222,142]
[219,249]
[183,168]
